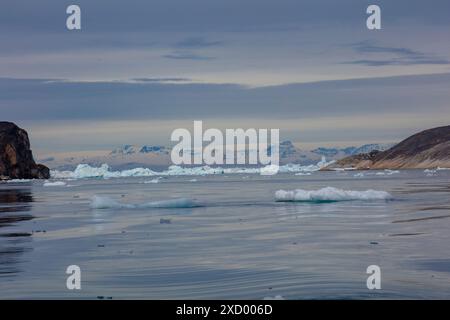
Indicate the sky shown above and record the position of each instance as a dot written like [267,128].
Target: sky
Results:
[139,69]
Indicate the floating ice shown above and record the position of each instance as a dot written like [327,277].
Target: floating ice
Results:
[109,203]
[18,180]
[277,297]
[330,194]
[387,172]
[156,180]
[54,184]
[104,171]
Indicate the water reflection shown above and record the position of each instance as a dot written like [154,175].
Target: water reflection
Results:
[14,203]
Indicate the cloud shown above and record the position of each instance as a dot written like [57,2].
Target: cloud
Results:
[398,62]
[401,56]
[161,80]
[197,42]
[184,55]
[34,100]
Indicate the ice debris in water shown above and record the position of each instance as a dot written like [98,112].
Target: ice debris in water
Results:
[330,194]
[104,171]
[54,184]
[277,297]
[99,202]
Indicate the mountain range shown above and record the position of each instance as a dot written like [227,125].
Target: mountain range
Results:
[131,156]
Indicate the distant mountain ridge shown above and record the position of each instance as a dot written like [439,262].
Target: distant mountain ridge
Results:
[330,152]
[424,150]
[132,149]
[130,156]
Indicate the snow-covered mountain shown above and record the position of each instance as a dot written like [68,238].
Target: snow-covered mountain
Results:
[349,151]
[374,146]
[132,156]
[133,149]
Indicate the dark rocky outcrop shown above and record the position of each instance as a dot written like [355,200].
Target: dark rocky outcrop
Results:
[424,150]
[16,158]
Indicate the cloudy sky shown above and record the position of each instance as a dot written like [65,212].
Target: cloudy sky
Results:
[139,69]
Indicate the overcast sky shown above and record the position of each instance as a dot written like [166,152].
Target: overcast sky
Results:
[138,69]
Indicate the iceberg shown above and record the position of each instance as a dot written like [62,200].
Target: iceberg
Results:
[329,194]
[99,202]
[156,180]
[83,171]
[18,180]
[277,297]
[387,172]
[54,184]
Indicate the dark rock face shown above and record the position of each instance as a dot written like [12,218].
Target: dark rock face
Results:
[16,158]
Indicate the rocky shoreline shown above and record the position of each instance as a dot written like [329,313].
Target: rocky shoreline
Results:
[16,157]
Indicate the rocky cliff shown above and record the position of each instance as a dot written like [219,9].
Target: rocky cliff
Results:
[16,158]
[424,150]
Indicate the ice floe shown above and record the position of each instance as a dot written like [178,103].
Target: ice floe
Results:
[277,297]
[18,180]
[105,172]
[303,173]
[156,180]
[54,184]
[99,202]
[387,172]
[329,194]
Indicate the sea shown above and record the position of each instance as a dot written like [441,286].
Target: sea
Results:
[228,236]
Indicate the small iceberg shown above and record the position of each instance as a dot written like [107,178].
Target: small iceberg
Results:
[430,172]
[277,297]
[329,194]
[156,180]
[303,174]
[83,171]
[387,172]
[54,184]
[99,202]
[18,180]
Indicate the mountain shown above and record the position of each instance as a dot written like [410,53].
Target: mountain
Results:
[124,150]
[348,151]
[16,158]
[154,149]
[129,149]
[424,150]
[132,156]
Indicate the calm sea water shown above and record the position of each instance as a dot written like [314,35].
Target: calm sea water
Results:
[239,244]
